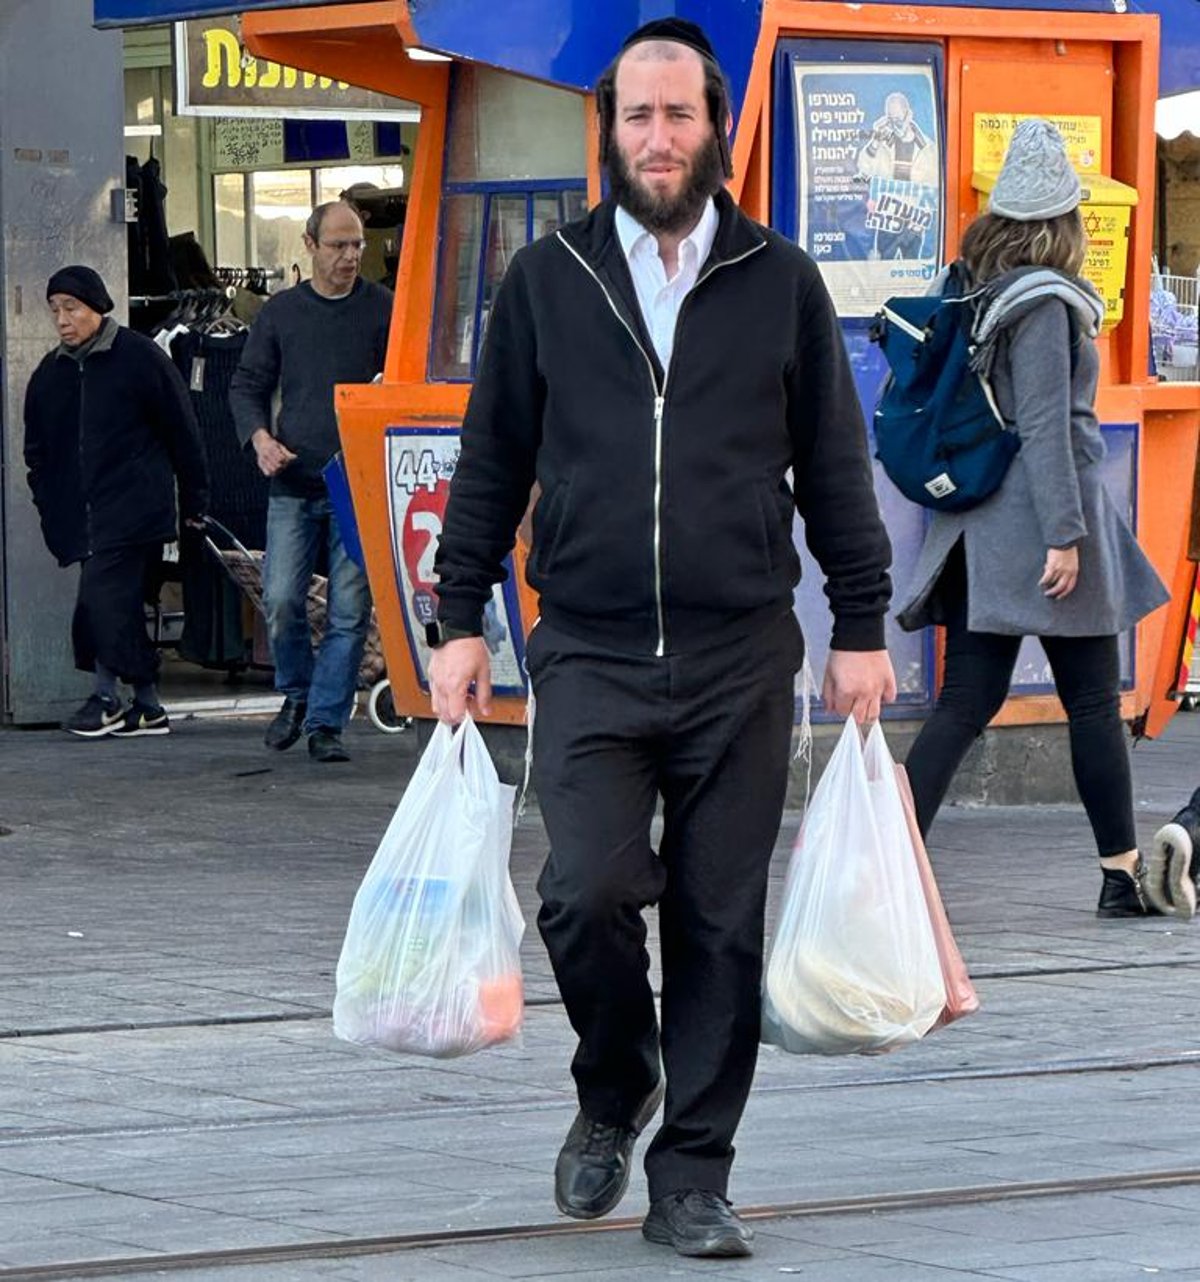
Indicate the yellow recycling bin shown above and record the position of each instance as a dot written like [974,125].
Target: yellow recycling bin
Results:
[1105,207]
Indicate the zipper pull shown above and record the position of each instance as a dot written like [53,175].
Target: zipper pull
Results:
[659,402]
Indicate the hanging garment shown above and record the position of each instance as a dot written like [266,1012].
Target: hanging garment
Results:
[214,633]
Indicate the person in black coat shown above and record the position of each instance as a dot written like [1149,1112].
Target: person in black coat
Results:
[109,427]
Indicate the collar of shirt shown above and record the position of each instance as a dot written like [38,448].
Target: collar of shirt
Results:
[637,241]
[660,299]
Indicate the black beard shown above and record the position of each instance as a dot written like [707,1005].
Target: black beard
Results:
[663,214]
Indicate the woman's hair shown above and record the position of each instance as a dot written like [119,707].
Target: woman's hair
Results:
[994,244]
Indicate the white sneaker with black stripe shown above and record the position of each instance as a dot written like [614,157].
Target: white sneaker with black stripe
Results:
[139,719]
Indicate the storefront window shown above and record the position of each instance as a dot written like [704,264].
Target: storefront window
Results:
[282,202]
[332,182]
[458,287]
[503,127]
[260,216]
[506,234]
[471,266]
[229,204]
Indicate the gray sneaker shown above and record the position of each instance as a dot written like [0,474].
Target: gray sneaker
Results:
[1174,862]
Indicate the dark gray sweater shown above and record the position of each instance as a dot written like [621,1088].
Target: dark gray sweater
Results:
[302,345]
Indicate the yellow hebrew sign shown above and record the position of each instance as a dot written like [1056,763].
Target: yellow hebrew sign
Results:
[994,129]
[216,76]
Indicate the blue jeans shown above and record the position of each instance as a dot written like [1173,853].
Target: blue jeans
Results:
[326,681]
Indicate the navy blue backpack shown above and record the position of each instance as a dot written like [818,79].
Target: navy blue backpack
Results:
[938,432]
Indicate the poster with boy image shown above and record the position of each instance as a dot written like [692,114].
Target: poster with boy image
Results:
[869,179]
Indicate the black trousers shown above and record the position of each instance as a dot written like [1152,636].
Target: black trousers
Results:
[109,625]
[979,667]
[711,734]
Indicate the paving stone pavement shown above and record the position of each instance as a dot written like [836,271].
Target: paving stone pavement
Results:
[170,918]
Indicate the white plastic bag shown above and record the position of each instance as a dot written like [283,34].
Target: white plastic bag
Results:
[854,966]
[430,963]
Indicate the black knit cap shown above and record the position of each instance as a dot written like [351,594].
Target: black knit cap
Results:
[83,283]
[678,29]
[683,32]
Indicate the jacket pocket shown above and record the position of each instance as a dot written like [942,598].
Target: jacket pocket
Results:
[550,520]
[776,526]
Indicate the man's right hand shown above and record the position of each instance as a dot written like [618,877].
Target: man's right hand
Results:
[273,455]
[460,674]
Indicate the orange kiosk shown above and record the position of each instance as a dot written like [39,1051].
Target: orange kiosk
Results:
[506,150]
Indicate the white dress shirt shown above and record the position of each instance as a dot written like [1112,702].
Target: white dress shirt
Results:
[659,298]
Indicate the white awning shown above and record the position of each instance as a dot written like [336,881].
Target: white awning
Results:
[1178,114]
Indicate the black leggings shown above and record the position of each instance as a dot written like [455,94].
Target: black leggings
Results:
[978,671]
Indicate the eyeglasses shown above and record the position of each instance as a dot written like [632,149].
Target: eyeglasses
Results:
[341,246]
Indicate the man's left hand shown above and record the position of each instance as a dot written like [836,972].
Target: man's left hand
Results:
[858,683]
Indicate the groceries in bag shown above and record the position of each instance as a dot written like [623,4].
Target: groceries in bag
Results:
[431,959]
[961,997]
[853,967]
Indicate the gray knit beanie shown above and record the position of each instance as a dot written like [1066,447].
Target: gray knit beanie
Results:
[1036,179]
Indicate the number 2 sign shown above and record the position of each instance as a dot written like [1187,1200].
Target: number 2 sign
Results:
[421,462]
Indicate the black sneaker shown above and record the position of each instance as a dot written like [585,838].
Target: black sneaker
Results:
[96,718]
[140,719]
[592,1171]
[1175,861]
[697,1222]
[325,744]
[1123,895]
[287,725]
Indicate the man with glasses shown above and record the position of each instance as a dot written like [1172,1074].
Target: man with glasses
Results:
[328,330]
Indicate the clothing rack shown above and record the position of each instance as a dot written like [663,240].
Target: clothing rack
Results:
[226,292]
[251,278]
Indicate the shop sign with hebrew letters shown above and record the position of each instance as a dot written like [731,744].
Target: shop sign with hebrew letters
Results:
[216,76]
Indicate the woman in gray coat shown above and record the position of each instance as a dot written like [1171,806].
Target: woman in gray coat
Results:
[1048,554]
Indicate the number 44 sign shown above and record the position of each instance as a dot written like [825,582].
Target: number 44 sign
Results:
[420,463]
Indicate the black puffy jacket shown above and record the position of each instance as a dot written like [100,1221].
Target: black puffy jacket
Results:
[667,497]
[105,438]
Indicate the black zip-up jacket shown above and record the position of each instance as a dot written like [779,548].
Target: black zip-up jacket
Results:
[665,518]
[105,437]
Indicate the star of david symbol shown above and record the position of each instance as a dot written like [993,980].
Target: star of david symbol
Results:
[1092,224]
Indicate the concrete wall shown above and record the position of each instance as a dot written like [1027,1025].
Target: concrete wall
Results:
[61,153]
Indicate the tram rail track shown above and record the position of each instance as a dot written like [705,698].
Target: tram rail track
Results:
[343,1248]
[1077,1067]
[981,974]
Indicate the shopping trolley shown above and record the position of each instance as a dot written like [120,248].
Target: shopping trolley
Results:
[244,566]
[1174,337]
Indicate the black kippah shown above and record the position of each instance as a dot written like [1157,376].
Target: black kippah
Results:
[677,29]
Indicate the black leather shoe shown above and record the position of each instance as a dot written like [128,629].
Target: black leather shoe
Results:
[325,744]
[592,1171]
[1123,895]
[287,725]
[697,1222]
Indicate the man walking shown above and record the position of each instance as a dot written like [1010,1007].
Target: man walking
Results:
[332,329]
[674,378]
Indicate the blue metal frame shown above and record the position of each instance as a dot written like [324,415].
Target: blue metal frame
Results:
[529,189]
[834,50]
[135,13]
